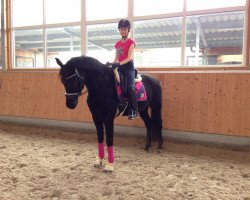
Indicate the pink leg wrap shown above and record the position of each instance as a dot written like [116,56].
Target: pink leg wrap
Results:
[101,150]
[110,154]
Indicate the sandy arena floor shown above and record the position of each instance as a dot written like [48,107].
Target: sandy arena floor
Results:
[40,163]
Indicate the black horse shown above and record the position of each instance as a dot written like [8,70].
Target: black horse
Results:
[102,101]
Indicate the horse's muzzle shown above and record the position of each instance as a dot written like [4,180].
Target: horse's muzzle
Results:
[71,103]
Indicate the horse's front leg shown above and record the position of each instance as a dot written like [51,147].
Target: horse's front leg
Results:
[100,137]
[109,128]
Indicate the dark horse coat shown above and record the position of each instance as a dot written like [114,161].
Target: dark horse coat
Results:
[102,97]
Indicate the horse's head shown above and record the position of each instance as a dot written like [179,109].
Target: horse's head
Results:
[72,80]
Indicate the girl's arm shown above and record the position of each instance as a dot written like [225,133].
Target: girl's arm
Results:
[116,58]
[116,69]
[130,55]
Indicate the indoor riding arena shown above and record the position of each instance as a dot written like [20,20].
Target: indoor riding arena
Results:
[54,123]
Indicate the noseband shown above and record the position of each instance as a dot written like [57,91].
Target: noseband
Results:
[80,81]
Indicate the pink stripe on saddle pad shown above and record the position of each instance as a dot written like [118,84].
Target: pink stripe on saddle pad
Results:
[140,92]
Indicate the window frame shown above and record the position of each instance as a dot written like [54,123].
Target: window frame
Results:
[3,35]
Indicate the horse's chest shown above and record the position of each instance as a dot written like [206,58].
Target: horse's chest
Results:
[102,99]
[99,103]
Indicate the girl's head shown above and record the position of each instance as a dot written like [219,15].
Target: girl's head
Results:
[124,27]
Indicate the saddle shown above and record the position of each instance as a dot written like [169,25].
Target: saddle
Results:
[121,87]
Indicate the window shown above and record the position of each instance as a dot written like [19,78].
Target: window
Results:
[29,51]
[215,39]
[64,43]
[61,11]
[213,33]
[158,42]
[101,41]
[143,7]
[210,4]
[108,9]
[27,12]
[33,45]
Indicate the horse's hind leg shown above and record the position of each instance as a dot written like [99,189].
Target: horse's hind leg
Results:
[157,125]
[147,121]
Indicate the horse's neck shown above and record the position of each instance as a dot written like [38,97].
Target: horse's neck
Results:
[98,83]
[98,77]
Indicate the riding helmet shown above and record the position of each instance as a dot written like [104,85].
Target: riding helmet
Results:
[124,23]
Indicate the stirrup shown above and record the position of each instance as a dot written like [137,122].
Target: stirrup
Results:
[121,108]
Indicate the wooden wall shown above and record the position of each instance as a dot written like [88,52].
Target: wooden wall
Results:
[197,101]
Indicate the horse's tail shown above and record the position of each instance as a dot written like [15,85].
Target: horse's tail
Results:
[156,108]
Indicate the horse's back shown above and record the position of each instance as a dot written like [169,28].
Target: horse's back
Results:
[150,81]
[153,88]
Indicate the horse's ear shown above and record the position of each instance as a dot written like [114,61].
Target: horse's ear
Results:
[59,62]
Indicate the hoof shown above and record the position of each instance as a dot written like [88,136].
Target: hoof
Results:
[98,162]
[109,167]
[159,150]
[146,148]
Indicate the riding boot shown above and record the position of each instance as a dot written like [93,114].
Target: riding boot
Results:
[133,113]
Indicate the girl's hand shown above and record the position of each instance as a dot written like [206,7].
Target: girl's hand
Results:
[108,64]
[115,65]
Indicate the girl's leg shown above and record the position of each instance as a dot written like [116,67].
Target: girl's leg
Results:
[130,74]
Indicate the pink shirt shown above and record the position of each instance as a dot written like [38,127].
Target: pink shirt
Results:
[122,48]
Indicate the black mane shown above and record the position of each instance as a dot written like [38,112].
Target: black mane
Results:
[87,64]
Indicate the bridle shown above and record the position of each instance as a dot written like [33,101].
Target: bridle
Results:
[80,81]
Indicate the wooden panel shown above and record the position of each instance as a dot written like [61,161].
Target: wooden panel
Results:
[197,102]
[246,107]
[247,39]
